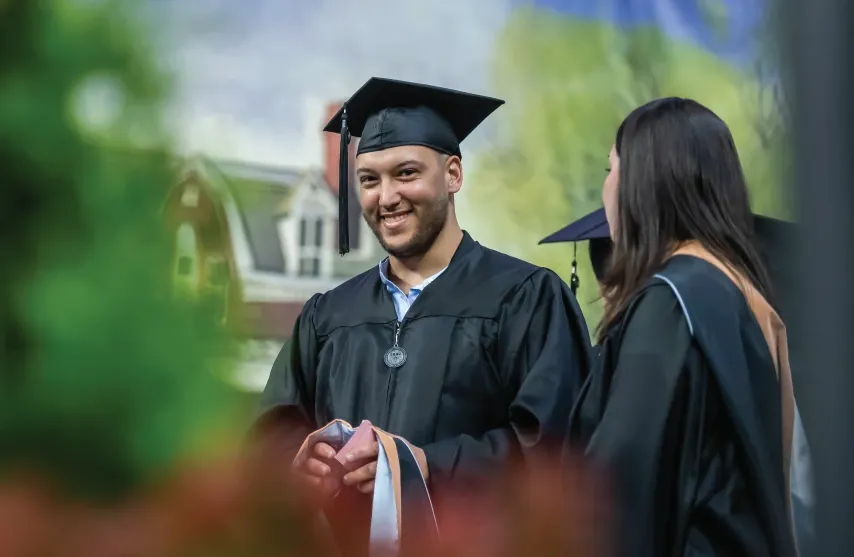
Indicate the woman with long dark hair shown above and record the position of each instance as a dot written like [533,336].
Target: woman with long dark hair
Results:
[691,407]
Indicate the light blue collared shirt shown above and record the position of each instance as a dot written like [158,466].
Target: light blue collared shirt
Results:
[402,301]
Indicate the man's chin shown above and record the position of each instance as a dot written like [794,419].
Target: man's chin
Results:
[402,249]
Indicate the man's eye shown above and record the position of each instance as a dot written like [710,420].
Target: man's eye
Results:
[366,179]
[407,172]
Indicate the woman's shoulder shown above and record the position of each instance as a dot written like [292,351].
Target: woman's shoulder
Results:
[706,295]
[654,301]
[690,277]
[653,317]
[686,293]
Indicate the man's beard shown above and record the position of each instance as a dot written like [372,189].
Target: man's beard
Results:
[431,221]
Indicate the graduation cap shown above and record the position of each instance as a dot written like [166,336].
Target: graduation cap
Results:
[775,236]
[387,113]
[592,227]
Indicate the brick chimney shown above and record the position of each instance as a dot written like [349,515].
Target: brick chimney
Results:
[332,149]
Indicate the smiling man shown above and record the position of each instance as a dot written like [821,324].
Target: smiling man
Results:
[472,356]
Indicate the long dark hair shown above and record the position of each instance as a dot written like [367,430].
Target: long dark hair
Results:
[680,180]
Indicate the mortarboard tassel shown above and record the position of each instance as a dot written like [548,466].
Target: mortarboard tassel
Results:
[344,188]
[573,277]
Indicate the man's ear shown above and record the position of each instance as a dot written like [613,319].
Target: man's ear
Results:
[453,173]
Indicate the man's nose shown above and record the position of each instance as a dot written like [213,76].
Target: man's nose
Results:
[389,196]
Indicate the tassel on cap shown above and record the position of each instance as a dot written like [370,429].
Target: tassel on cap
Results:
[573,278]
[344,188]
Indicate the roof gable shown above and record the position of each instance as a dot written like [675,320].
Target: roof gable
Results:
[262,195]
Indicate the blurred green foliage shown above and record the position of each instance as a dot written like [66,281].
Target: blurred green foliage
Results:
[106,377]
[569,83]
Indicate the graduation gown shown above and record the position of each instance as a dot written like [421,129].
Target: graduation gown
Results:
[497,350]
[684,409]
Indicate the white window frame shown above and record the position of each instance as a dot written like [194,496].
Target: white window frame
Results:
[311,201]
[311,244]
[186,245]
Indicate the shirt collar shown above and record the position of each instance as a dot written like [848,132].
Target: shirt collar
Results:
[392,287]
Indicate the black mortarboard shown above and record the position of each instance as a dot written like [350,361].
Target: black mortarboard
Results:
[775,236]
[387,113]
[592,227]
[588,227]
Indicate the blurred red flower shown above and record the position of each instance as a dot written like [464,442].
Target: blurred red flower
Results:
[250,508]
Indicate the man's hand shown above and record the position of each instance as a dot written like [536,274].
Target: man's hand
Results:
[316,473]
[362,478]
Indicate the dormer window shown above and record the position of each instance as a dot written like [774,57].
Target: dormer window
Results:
[190,196]
[184,265]
[311,231]
[186,257]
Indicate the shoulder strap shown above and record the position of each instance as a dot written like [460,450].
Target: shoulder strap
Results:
[676,293]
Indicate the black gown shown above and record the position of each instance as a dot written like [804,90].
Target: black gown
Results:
[497,350]
[684,410]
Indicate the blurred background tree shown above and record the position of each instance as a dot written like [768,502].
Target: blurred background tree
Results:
[569,83]
[107,376]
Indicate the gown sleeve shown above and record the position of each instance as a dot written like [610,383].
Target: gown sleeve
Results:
[638,436]
[542,354]
[287,403]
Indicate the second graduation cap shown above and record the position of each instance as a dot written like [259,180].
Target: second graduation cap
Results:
[592,227]
[776,238]
[386,113]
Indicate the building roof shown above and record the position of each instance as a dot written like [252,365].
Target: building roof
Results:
[262,194]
